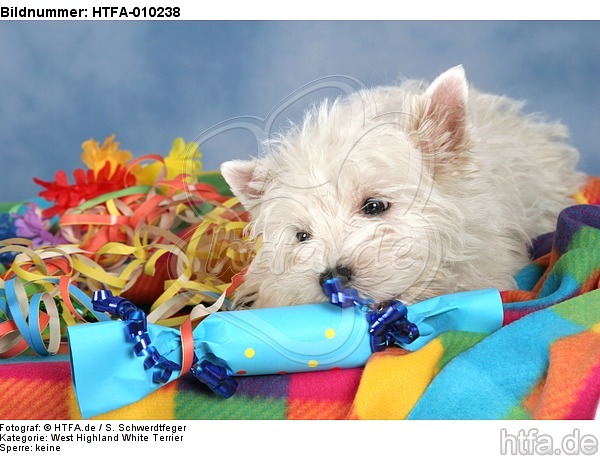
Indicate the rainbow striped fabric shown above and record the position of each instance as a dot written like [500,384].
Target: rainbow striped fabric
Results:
[543,364]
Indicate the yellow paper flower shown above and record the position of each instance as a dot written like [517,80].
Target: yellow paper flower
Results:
[182,159]
[96,157]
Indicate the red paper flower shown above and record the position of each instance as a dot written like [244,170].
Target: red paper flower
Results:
[86,187]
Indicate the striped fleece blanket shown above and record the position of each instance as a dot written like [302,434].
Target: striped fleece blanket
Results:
[544,363]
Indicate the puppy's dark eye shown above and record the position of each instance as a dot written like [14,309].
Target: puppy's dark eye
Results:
[375,206]
[302,236]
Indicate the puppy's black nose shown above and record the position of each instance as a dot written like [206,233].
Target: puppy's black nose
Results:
[342,272]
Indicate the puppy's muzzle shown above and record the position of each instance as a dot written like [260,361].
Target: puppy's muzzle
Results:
[341,272]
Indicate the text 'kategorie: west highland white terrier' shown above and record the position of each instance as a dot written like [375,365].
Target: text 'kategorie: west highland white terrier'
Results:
[406,192]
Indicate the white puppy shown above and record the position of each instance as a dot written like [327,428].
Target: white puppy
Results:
[407,192]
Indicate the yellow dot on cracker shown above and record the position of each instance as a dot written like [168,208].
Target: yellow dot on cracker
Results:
[313,363]
[249,353]
[330,333]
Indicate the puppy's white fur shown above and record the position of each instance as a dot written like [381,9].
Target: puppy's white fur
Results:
[469,179]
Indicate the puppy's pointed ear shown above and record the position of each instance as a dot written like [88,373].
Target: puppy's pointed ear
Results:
[442,127]
[247,179]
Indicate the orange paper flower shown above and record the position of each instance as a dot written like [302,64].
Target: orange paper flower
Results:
[96,156]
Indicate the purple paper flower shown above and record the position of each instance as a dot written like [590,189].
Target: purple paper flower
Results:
[32,226]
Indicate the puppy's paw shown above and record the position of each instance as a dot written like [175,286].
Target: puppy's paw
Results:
[246,295]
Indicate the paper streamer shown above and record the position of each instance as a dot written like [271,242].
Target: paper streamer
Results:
[174,242]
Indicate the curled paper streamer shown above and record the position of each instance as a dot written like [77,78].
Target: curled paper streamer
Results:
[154,229]
[108,375]
[131,247]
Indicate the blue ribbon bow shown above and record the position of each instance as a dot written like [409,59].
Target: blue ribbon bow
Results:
[412,327]
[136,326]
[387,326]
